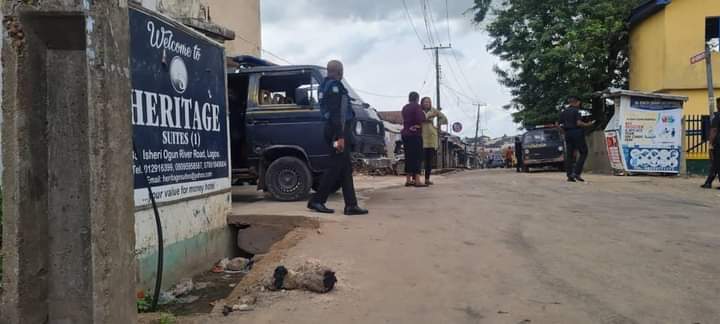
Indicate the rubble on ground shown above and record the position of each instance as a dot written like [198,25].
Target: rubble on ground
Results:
[234,265]
[310,276]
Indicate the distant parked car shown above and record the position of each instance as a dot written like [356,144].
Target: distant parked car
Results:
[495,162]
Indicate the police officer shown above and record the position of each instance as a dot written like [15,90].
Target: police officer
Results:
[572,124]
[519,154]
[337,111]
[714,148]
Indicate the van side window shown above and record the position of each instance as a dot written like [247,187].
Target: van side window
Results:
[294,90]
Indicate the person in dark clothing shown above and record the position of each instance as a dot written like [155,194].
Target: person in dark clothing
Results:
[572,125]
[413,117]
[519,154]
[335,108]
[714,148]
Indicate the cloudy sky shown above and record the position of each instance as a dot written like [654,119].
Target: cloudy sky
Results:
[384,57]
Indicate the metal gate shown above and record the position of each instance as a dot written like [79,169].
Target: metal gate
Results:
[697,129]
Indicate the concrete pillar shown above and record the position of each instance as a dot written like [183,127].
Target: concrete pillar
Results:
[67,182]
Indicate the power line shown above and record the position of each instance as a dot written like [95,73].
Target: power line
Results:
[447,20]
[460,94]
[290,63]
[257,46]
[377,94]
[426,19]
[461,85]
[436,34]
[425,79]
[462,73]
[412,23]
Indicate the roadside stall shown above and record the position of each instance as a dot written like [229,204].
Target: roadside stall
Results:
[644,135]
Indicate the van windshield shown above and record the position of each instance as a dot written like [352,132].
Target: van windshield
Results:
[541,136]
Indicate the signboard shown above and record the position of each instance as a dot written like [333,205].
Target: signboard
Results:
[697,58]
[651,136]
[457,127]
[178,111]
[613,149]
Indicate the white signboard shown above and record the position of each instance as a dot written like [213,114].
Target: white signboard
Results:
[650,136]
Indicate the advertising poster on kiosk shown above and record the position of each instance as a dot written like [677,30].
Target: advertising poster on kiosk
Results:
[613,148]
[651,137]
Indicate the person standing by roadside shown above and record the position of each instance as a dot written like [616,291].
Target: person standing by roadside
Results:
[413,117]
[508,156]
[572,125]
[714,148]
[430,135]
[335,107]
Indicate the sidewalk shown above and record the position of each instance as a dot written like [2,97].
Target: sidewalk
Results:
[247,201]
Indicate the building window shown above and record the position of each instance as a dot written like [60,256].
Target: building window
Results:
[712,28]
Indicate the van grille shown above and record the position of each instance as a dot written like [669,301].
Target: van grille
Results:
[372,128]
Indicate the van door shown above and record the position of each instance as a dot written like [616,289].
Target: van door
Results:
[283,109]
[237,108]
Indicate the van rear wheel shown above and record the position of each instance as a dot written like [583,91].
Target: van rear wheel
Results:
[288,179]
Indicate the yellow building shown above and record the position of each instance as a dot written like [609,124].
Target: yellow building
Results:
[664,35]
[242,17]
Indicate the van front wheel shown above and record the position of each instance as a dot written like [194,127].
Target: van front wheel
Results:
[288,179]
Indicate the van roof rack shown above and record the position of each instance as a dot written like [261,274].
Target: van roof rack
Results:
[248,61]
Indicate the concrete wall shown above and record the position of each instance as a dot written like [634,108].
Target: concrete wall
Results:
[598,161]
[67,189]
[196,236]
[2,41]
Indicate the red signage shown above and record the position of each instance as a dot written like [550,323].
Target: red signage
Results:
[697,58]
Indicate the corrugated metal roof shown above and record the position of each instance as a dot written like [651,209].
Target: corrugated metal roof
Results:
[394,117]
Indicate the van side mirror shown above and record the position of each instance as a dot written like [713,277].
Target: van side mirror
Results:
[366,105]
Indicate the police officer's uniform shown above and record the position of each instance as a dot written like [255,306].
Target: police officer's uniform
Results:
[519,154]
[574,141]
[336,109]
[715,158]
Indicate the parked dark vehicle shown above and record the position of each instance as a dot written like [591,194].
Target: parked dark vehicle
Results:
[543,147]
[277,130]
[495,161]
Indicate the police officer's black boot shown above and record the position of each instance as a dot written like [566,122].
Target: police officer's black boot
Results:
[355,210]
[319,207]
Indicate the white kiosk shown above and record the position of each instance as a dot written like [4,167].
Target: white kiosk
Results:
[645,135]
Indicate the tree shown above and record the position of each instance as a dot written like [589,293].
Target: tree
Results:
[555,48]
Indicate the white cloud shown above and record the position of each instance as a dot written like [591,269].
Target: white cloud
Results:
[383,55]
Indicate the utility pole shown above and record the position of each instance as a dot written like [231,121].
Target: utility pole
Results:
[710,83]
[438,76]
[477,128]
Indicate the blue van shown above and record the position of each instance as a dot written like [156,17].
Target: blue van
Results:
[276,128]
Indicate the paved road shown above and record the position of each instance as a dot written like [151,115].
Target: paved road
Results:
[500,247]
